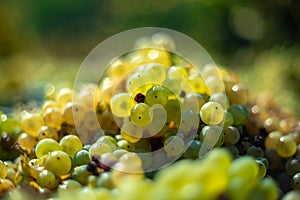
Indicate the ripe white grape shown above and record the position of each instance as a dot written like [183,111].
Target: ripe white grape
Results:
[212,113]
[120,104]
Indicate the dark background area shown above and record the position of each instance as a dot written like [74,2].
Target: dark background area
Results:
[46,41]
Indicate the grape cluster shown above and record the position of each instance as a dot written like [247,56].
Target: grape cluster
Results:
[152,109]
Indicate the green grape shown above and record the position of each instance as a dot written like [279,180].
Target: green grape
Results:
[45,146]
[157,95]
[212,113]
[3,169]
[193,101]
[53,118]
[220,98]
[81,174]
[64,96]
[255,151]
[27,141]
[100,148]
[49,104]
[47,179]
[126,145]
[214,85]
[189,121]
[156,71]
[146,159]
[136,81]
[174,146]
[70,144]
[197,83]
[286,147]
[119,104]
[273,158]
[110,141]
[264,161]
[69,184]
[31,123]
[231,135]
[105,180]
[228,118]
[141,114]
[91,122]
[244,168]
[292,195]
[143,145]
[47,132]
[119,152]
[272,139]
[107,121]
[131,132]
[234,151]
[177,72]
[212,136]
[73,113]
[292,166]
[59,163]
[82,157]
[296,181]
[239,113]
[238,94]
[261,169]
[159,119]
[193,149]
[173,110]
[131,159]
[173,85]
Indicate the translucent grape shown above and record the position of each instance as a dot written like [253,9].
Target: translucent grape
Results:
[156,95]
[286,147]
[105,180]
[177,72]
[292,195]
[100,148]
[53,118]
[49,104]
[239,113]
[109,140]
[47,132]
[47,179]
[228,118]
[31,123]
[173,111]
[3,169]
[82,157]
[70,144]
[141,114]
[238,94]
[261,169]
[27,141]
[64,96]
[131,159]
[156,126]
[296,181]
[292,166]
[220,98]
[214,85]
[157,72]
[45,146]
[59,163]
[120,104]
[126,145]
[272,139]
[193,149]
[244,168]
[197,84]
[137,80]
[73,113]
[189,121]
[173,85]
[231,135]
[212,136]
[212,113]
[193,101]
[174,146]
[91,122]
[131,132]
[81,174]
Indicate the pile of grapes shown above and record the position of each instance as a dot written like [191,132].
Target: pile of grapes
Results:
[155,127]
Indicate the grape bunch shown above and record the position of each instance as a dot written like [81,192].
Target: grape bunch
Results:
[155,127]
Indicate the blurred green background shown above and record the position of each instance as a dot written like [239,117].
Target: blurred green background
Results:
[46,41]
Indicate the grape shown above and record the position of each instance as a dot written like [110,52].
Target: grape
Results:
[214,85]
[174,146]
[69,184]
[120,104]
[82,157]
[173,85]
[286,147]
[157,72]
[255,151]
[212,113]
[292,166]
[244,168]
[264,161]
[47,179]
[239,113]
[110,141]
[49,104]
[119,152]
[70,144]
[197,83]
[27,141]
[6,186]
[107,121]
[212,136]
[296,181]
[157,124]
[100,148]
[231,135]
[141,114]
[47,132]
[31,123]
[157,95]
[131,132]
[193,101]
[3,169]
[220,98]
[81,174]
[143,145]
[53,118]
[177,72]
[131,159]
[105,180]
[73,113]
[146,159]
[261,169]
[90,121]
[273,158]
[137,80]
[292,195]
[272,139]
[64,96]
[193,149]
[124,144]
[59,163]
[189,121]
[238,94]
[45,146]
